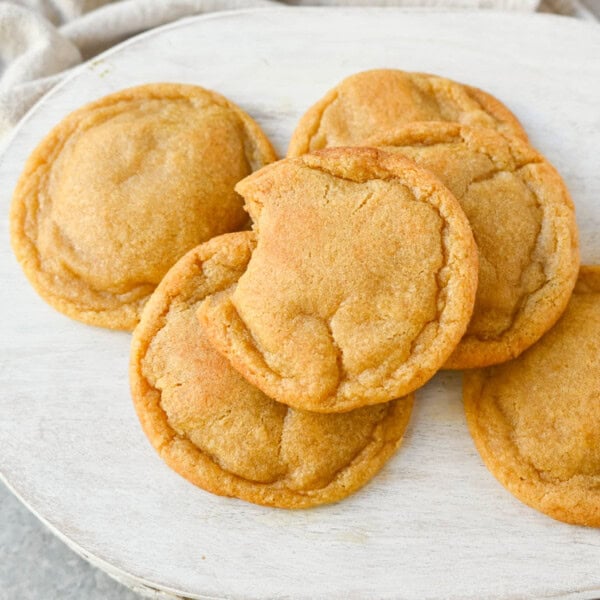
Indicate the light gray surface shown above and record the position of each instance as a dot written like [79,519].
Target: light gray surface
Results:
[36,565]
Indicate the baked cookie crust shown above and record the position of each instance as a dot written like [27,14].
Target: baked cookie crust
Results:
[223,434]
[523,221]
[371,103]
[536,419]
[361,285]
[122,188]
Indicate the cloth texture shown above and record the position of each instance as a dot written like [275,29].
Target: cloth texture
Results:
[41,40]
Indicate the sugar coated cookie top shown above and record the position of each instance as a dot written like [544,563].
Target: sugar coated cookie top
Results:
[361,284]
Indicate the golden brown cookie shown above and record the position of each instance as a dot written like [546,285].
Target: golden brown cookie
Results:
[223,434]
[361,285]
[371,103]
[536,419]
[523,222]
[122,188]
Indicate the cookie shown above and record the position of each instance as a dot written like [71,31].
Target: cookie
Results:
[536,419]
[523,222]
[223,434]
[122,188]
[373,102]
[361,285]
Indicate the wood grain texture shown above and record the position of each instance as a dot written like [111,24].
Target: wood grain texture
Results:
[434,523]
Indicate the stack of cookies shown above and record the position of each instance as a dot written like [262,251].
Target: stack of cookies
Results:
[412,228]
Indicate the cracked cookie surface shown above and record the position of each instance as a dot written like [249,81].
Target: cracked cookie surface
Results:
[361,285]
[373,102]
[122,188]
[536,419]
[523,222]
[223,434]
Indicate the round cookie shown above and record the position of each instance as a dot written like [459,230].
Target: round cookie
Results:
[223,434]
[523,222]
[122,188]
[536,419]
[361,285]
[371,103]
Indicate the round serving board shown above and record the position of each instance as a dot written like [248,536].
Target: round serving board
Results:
[434,523]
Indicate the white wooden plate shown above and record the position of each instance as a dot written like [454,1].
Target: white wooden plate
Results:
[435,523]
